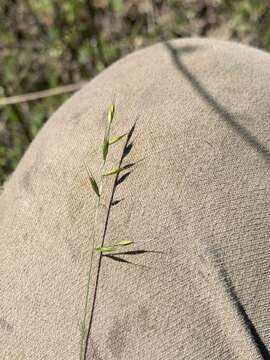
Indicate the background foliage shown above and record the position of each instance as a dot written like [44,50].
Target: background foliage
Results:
[48,43]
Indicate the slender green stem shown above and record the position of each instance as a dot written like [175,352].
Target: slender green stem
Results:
[83,345]
[85,330]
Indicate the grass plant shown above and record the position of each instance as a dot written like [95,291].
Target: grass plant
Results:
[97,186]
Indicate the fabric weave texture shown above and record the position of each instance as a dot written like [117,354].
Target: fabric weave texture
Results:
[196,203]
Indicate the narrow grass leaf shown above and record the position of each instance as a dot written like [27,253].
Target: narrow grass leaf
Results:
[115,139]
[92,181]
[114,171]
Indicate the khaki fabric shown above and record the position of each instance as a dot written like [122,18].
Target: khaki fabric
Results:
[196,203]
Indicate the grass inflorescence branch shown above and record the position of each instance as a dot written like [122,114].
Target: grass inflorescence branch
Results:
[96,187]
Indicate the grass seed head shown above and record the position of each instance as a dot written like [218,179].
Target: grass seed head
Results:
[114,171]
[105,148]
[93,182]
[111,114]
[115,139]
[113,247]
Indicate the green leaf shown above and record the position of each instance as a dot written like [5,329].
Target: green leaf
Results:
[115,139]
[92,181]
[111,114]
[113,171]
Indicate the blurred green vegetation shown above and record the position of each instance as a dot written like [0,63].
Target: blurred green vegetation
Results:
[48,43]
